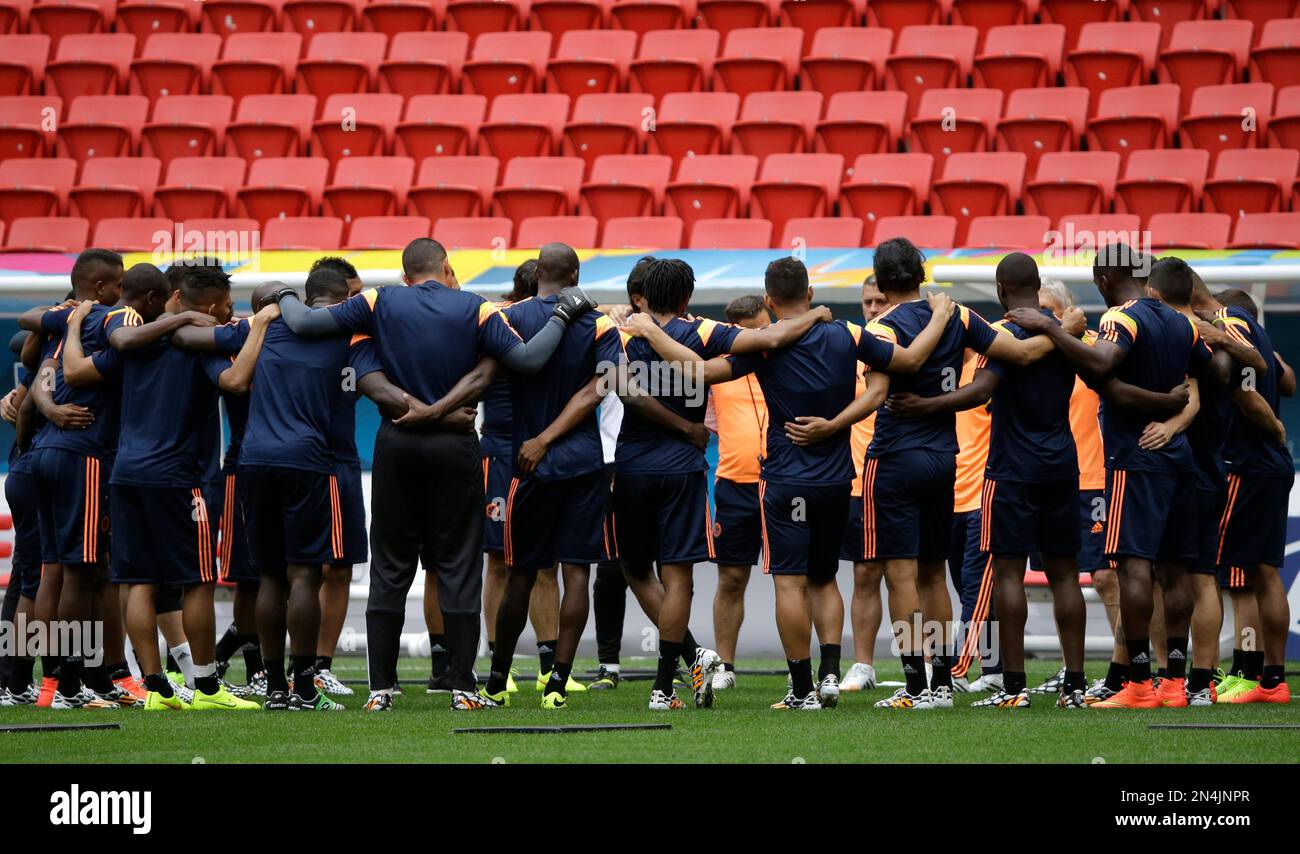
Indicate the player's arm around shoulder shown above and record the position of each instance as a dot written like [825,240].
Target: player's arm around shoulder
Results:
[78,368]
[909,359]
[781,334]
[238,378]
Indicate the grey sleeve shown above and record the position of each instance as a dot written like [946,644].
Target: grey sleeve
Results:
[310,322]
[532,356]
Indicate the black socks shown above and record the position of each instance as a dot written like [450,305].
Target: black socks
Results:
[669,652]
[1139,658]
[304,682]
[1116,676]
[1177,648]
[801,681]
[830,661]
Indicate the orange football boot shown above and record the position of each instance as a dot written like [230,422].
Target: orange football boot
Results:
[1135,695]
[1172,693]
[132,686]
[1279,693]
[48,686]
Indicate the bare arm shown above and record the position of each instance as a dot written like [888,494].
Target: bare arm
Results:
[975,393]
[1093,362]
[1286,378]
[238,378]
[783,333]
[126,338]
[1160,433]
[1256,409]
[31,353]
[466,392]
[66,416]
[78,369]
[808,429]
[1219,338]
[577,410]
[1157,403]
[909,359]
[25,425]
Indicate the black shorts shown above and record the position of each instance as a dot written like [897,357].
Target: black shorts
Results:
[165,536]
[348,504]
[1209,512]
[851,542]
[803,527]
[1092,533]
[737,523]
[1150,515]
[226,507]
[556,521]
[498,471]
[1253,528]
[661,517]
[25,568]
[907,505]
[291,518]
[1019,518]
[72,491]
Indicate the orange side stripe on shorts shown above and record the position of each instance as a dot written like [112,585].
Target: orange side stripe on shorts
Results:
[1115,512]
[762,526]
[708,528]
[986,514]
[226,527]
[485,474]
[336,519]
[1234,484]
[510,506]
[869,509]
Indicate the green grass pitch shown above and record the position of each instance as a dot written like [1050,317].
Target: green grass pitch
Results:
[740,728]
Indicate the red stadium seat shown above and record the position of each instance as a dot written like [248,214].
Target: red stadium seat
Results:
[340,63]
[1162,181]
[1113,54]
[352,125]
[1025,233]
[473,232]
[1253,231]
[1076,15]
[22,68]
[776,122]
[985,15]
[896,14]
[1284,125]
[694,123]
[758,59]
[931,57]
[561,17]
[887,185]
[642,232]
[858,123]
[797,185]
[283,186]
[711,186]
[187,126]
[591,61]
[35,187]
[27,124]
[1037,121]
[130,234]
[1189,230]
[254,63]
[477,17]
[926,232]
[1088,231]
[608,124]
[304,233]
[90,65]
[394,18]
[60,19]
[47,234]
[1276,59]
[644,16]
[727,16]
[145,18]
[440,125]
[13,19]
[228,17]
[1251,180]
[271,126]
[103,126]
[1132,118]
[675,61]
[951,120]
[846,59]
[1072,182]
[731,234]
[386,232]
[524,126]
[453,186]
[420,63]
[115,187]
[539,186]
[200,187]
[978,184]
[576,231]
[507,63]
[1232,116]
[175,64]
[1205,53]
[1023,56]
[369,187]
[813,16]
[817,232]
[1169,13]
[313,18]
[626,185]
[1261,11]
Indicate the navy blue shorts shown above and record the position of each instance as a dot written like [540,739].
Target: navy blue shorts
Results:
[1209,512]
[556,521]
[1018,518]
[497,474]
[1253,528]
[72,491]
[25,568]
[851,544]
[737,523]
[661,517]
[1150,515]
[290,518]
[803,527]
[225,500]
[164,536]
[907,505]
[348,504]
[1092,533]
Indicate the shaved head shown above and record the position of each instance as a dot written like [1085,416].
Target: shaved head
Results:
[1018,272]
[557,264]
[262,291]
[423,259]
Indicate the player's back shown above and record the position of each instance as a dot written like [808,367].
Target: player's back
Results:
[497,427]
[103,398]
[295,390]
[1246,448]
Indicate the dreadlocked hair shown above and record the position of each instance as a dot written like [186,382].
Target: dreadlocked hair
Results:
[668,285]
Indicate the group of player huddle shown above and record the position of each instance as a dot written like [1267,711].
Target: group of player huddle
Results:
[925,438]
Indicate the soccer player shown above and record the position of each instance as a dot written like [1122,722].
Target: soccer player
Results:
[865,608]
[427,487]
[739,417]
[1150,507]
[1030,499]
